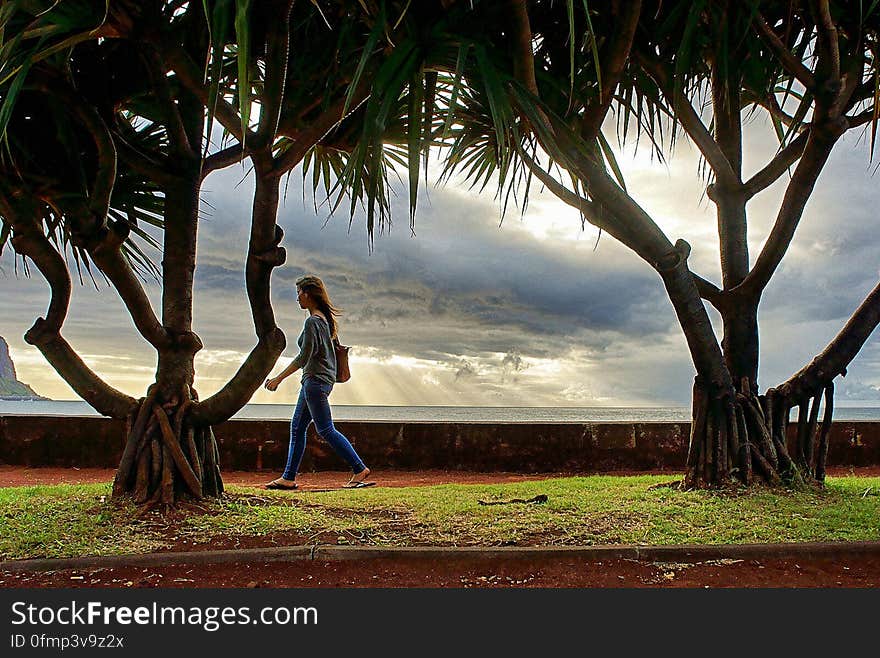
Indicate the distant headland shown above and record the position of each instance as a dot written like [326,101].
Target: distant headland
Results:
[10,387]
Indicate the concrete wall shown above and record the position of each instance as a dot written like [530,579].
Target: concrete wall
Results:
[520,447]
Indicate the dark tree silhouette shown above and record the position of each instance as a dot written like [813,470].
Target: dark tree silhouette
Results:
[524,91]
[107,117]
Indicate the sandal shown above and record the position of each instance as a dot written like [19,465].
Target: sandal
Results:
[277,484]
[357,484]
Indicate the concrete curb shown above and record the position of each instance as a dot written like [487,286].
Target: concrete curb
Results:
[286,553]
[678,553]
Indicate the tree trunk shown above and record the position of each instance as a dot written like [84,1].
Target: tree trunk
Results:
[167,457]
[761,434]
[735,434]
[744,437]
[740,343]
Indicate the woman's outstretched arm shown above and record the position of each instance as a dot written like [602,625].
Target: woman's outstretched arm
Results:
[309,342]
[273,382]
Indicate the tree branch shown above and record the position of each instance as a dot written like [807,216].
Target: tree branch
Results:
[709,291]
[264,254]
[179,252]
[588,209]
[631,220]
[188,73]
[772,106]
[317,129]
[730,203]
[861,119]
[850,83]
[103,243]
[222,159]
[107,255]
[105,177]
[816,151]
[176,129]
[800,72]
[612,64]
[681,286]
[277,52]
[828,124]
[632,224]
[156,171]
[693,125]
[827,48]
[239,390]
[105,399]
[777,166]
[29,240]
[839,353]
[523,57]
[45,332]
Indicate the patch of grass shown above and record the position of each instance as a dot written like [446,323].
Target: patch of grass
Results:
[589,510]
[68,520]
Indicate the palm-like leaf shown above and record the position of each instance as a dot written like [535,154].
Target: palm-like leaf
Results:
[56,168]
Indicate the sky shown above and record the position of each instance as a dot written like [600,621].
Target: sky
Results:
[472,310]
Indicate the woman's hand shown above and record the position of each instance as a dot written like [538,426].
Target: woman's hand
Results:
[272,383]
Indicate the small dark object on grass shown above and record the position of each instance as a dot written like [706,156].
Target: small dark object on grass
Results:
[540,498]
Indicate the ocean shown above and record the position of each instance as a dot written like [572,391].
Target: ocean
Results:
[438,414]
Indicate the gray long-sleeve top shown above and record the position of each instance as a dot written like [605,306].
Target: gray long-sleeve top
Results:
[316,357]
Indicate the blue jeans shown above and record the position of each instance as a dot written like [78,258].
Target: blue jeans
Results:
[312,405]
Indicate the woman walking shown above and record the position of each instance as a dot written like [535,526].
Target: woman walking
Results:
[317,359]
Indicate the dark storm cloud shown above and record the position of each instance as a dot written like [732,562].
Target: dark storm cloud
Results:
[834,259]
[832,263]
[219,276]
[484,302]
[458,285]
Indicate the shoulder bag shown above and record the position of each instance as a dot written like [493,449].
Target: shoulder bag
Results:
[343,372]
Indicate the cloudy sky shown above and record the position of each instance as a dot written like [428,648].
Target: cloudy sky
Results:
[470,310]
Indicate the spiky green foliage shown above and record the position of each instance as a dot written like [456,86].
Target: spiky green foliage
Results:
[449,83]
[50,58]
[482,107]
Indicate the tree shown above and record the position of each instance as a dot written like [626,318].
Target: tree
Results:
[504,86]
[133,90]
[524,81]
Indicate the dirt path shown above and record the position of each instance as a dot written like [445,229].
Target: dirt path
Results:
[18,476]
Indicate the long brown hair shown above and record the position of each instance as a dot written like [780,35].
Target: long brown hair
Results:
[316,290]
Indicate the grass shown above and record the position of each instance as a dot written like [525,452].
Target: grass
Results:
[68,520]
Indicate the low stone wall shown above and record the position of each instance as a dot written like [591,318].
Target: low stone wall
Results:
[86,441]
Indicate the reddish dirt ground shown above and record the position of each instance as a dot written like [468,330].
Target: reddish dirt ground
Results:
[486,572]
[19,476]
[458,572]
